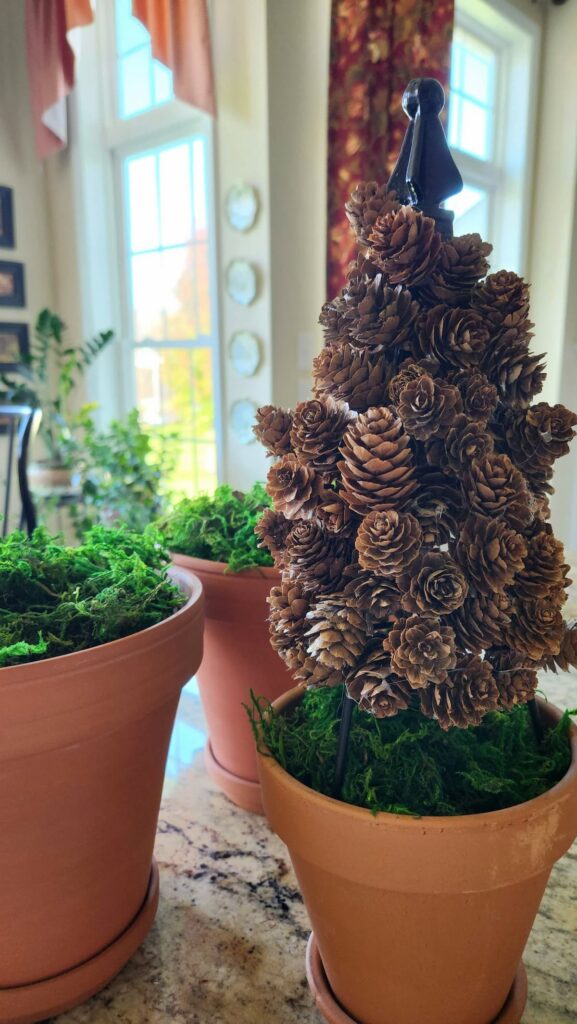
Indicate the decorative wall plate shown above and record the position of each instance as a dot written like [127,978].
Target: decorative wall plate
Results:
[244,352]
[241,206]
[241,282]
[242,418]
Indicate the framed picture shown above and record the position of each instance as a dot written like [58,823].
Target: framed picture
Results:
[14,347]
[12,284]
[6,218]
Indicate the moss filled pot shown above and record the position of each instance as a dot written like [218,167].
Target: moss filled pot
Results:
[83,743]
[419,918]
[237,658]
[220,538]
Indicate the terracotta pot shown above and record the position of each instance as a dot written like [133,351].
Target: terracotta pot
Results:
[237,658]
[419,920]
[83,745]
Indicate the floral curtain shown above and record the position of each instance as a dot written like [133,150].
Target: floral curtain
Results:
[377,46]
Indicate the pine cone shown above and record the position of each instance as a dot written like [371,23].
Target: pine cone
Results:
[462,264]
[377,468]
[428,407]
[467,699]
[454,337]
[406,245]
[336,515]
[545,571]
[288,608]
[312,673]
[495,488]
[315,558]
[273,529]
[357,377]
[479,396]
[567,656]
[294,488]
[539,436]
[408,372]
[317,431]
[536,629]
[336,633]
[481,621]
[490,553]
[385,317]
[438,505]
[466,440]
[436,585]
[377,596]
[388,542]
[422,650]
[367,202]
[376,688]
[273,428]
[502,299]
[516,681]
[516,372]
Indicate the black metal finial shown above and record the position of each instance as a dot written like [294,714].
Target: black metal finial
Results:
[425,173]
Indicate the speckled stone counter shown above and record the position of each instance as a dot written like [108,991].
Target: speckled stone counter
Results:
[229,941]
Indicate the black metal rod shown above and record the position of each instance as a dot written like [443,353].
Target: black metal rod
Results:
[343,747]
[536,719]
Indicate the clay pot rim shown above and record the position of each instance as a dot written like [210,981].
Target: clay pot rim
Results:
[269,572]
[193,607]
[504,818]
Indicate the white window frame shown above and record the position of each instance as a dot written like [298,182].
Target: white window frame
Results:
[101,141]
[508,176]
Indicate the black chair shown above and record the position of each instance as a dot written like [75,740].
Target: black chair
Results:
[18,424]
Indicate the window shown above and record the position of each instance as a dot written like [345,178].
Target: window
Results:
[149,247]
[491,124]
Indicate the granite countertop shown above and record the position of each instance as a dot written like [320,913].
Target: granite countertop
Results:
[228,944]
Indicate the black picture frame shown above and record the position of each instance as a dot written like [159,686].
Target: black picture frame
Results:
[14,271]
[7,239]
[14,347]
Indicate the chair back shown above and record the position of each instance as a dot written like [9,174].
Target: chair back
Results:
[18,424]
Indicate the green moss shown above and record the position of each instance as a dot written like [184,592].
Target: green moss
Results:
[219,527]
[56,599]
[408,764]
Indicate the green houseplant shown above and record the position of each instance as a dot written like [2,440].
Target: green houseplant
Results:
[422,583]
[96,642]
[54,367]
[213,536]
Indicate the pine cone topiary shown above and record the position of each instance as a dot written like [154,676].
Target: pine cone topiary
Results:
[376,688]
[294,488]
[495,488]
[422,650]
[367,202]
[463,262]
[377,596]
[273,529]
[357,377]
[491,553]
[406,245]
[315,558]
[377,467]
[454,337]
[466,699]
[436,585]
[466,440]
[288,608]
[273,428]
[427,406]
[481,621]
[388,542]
[536,629]
[317,431]
[336,633]
[479,395]
[516,680]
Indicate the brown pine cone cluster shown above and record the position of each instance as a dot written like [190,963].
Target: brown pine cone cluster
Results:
[409,517]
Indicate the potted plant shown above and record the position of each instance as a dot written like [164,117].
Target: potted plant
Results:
[53,367]
[214,537]
[96,642]
[424,794]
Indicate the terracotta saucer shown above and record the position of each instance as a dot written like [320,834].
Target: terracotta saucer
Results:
[333,1012]
[26,1004]
[243,792]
